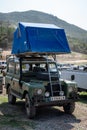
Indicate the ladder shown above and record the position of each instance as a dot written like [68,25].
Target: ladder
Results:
[50,79]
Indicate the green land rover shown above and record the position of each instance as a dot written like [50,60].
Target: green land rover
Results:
[36,79]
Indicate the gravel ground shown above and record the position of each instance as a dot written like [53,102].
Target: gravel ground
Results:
[51,118]
[56,119]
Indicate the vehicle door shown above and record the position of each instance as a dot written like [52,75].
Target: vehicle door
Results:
[16,78]
[10,74]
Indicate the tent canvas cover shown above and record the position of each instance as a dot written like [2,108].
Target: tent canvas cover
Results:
[39,38]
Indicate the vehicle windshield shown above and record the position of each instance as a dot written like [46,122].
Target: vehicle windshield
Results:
[39,67]
[52,67]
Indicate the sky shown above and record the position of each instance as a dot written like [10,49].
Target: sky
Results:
[71,11]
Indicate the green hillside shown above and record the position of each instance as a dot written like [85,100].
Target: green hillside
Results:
[77,37]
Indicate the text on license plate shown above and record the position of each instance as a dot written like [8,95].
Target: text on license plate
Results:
[57,98]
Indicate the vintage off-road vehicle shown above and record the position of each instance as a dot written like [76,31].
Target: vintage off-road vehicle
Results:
[36,79]
[31,75]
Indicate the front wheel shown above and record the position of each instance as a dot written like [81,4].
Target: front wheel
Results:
[11,98]
[69,108]
[30,108]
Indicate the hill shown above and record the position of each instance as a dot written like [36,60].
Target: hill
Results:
[73,58]
[77,37]
[40,17]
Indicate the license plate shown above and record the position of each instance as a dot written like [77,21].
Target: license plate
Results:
[57,98]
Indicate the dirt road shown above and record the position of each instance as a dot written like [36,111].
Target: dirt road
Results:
[53,118]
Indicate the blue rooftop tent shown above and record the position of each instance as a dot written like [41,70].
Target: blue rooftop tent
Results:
[39,38]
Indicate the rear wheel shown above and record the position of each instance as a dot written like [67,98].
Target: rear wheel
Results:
[30,108]
[11,98]
[69,108]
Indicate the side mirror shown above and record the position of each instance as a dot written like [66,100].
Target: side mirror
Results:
[72,77]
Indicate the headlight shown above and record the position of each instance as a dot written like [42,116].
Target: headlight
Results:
[39,91]
[61,93]
[70,89]
[47,94]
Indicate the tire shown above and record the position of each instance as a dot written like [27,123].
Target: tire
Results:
[69,108]
[11,98]
[30,108]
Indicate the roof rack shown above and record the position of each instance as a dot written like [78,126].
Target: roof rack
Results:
[32,55]
[36,54]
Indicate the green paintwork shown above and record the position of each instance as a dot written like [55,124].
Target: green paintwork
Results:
[22,82]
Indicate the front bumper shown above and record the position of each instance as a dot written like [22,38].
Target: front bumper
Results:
[48,102]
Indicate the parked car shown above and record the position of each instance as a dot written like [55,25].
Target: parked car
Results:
[3,64]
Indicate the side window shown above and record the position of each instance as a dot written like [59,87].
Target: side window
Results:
[25,68]
[39,67]
[11,67]
[17,70]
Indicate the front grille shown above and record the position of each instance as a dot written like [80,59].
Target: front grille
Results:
[55,89]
